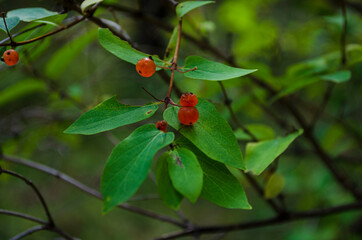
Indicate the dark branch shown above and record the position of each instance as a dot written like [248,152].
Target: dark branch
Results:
[29,232]
[266,222]
[65,178]
[22,215]
[30,183]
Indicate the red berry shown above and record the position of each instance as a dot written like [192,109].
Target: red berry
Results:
[11,57]
[146,67]
[161,125]
[188,100]
[188,115]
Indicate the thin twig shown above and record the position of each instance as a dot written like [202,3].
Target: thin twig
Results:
[65,178]
[30,183]
[22,215]
[29,232]
[14,44]
[265,222]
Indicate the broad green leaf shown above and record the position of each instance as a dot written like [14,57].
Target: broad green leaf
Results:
[338,77]
[274,186]
[165,189]
[260,131]
[185,7]
[219,185]
[88,3]
[108,115]
[260,155]
[20,89]
[171,47]
[295,86]
[30,14]
[64,56]
[211,134]
[11,22]
[129,163]
[185,173]
[122,49]
[212,71]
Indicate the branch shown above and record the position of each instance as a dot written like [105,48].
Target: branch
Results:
[30,183]
[265,222]
[29,232]
[65,178]
[22,215]
[14,44]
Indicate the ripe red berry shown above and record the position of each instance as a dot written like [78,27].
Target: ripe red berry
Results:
[161,125]
[11,57]
[188,115]
[188,100]
[146,67]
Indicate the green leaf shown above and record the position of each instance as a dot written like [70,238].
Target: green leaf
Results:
[88,3]
[295,86]
[122,49]
[185,173]
[260,131]
[185,7]
[20,89]
[260,155]
[57,63]
[211,134]
[108,115]
[165,189]
[219,185]
[212,71]
[55,20]
[30,14]
[129,163]
[338,77]
[11,22]
[274,186]
[171,47]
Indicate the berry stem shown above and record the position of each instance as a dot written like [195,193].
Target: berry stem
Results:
[174,62]
[12,42]
[192,69]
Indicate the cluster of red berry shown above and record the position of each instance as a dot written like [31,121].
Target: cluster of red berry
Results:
[10,57]
[188,113]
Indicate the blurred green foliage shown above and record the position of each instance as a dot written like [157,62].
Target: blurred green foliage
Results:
[289,42]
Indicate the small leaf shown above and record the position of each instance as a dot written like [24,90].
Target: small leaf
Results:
[165,189]
[260,155]
[212,71]
[55,20]
[219,185]
[21,89]
[30,14]
[185,173]
[108,115]
[338,77]
[185,7]
[274,186]
[171,47]
[122,49]
[129,163]
[260,131]
[88,3]
[211,134]
[11,22]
